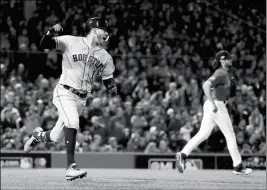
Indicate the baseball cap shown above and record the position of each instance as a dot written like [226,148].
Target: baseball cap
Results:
[222,55]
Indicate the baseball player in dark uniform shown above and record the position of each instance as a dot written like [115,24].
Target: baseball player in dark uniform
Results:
[84,59]
[218,88]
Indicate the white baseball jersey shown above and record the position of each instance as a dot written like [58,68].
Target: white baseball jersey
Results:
[81,63]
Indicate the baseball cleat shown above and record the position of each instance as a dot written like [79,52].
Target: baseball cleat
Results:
[244,171]
[180,163]
[33,141]
[73,172]
[240,170]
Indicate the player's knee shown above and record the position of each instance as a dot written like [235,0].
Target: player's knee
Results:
[55,137]
[73,125]
[204,136]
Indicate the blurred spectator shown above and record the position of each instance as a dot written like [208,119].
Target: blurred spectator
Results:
[173,141]
[99,128]
[95,146]
[173,122]
[32,119]
[95,108]
[84,120]
[117,125]
[138,121]
[112,145]
[151,148]
[246,149]
[262,149]
[85,140]
[172,91]
[186,130]
[142,144]
[10,116]
[50,116]
[163,147]
[128,113]
[23,39]
[256,121]
[240,139]
[133,143]
[158,121]
[52,68]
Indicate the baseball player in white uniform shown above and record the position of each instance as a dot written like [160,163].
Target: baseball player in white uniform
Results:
[84,58]
[218,88]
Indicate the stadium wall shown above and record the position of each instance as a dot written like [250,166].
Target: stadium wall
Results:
[94,160]
[18,159]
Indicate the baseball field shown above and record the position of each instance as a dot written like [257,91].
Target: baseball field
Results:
[113,179]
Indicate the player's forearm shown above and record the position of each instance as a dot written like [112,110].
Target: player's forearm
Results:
[47,42]
[110,85]
[207,90]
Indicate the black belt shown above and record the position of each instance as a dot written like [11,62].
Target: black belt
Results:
[74,91]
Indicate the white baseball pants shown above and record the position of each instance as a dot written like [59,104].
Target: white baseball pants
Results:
[209,121]
[69,106]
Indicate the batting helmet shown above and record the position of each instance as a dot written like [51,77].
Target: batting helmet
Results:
[96,22]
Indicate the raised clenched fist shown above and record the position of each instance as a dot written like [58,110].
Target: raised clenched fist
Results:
[56,28]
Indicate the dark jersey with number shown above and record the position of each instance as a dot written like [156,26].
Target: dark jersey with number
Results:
[221,84]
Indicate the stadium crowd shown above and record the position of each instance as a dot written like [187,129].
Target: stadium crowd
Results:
[163,52]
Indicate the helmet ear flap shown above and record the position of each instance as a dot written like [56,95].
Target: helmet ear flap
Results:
[107,38]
